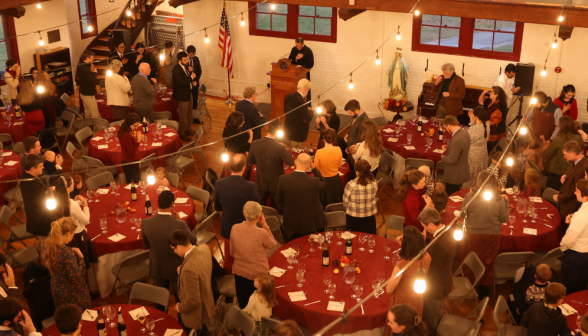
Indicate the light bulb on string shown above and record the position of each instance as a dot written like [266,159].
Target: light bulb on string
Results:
[487,195]
[533,100]
[561,18]
[273,6]
[206,39]
[90,28]
[161,56]
[50,203]
[319,108]
[41,42]
[38,5]
[280,133]
[544,72]
[351,86]
[129,12]
[417,13]
[225,156]
[242,20]
[458,233]
[523,130]
[150,177]
[377,58]
[40,89]
[509,162]
[420,285]
[398,37]
[554,44]
[109,73]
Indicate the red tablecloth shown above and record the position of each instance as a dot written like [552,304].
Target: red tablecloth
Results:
[581,308]
[547,238]
[112,155]
[418,141]
[102,244]
[15,131]
[9,172]
[133,327]
[344,169]
[163,102]
[316,316]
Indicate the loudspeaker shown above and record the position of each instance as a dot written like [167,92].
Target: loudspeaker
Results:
[124,36]
[524,78]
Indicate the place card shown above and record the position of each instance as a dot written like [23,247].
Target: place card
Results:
[117,237]
[97,138]
[173,332]
[102,146]
[156,144]
[102,191]
[170,134]
[297,296]
[456,198]
[409,147]
[180,200]
[536,199]
[11,163]
[182,214]
[128,186]
[347,234]
[440,151]
[165,99]
[296,150]
[288,252]
[134,313]
[112,129]
[277,272]
[387,130]
[336,306]
[529,231]
[18,123]
[163,126]
[393,139]
[90,315]
[567,310]
[7,153]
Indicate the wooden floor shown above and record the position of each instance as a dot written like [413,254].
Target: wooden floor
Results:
[220,112]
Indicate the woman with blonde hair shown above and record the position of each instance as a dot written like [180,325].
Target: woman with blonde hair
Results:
[47,97]
[261,302]
[32,106]
[371,147]
[66,265]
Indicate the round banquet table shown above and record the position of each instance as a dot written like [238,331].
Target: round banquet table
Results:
[344,170]
[547,238]
[418,141]
[113,155]
[16,128]
[578,301]
[316,316]
[133,327]
[9,172]
[163,102]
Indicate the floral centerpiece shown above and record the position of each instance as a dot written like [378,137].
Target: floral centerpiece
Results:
[393,104]
[343,262]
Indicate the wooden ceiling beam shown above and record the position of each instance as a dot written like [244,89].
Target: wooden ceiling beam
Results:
[17,3]
[347,13]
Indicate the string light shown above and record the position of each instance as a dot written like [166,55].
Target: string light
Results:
[109,73]
[40,89]
[41,42]
[554,44]
[398,37]
[533,100]
[242,20]
[50,203]
[129,12]
[280,133]
[523,129]
[206,39]
[161,56]
[150,177]
[458,233]
[417,13]
[38,5]
[509,162]
[225,156]
[273,6]
[319,108]
[420,285]
[544,72]
[377,58]
[351,86]
[561,18]
[90,28]
[487,195]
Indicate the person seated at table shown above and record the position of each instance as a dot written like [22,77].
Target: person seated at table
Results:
[371,147]
[66,265]
[47,97]
[28,100]
[78,186]
[50,166]
[566,101]
[479,132]
[534,152]
[404,320]
[558,164]
[502,175]
[359,200]
[546,318]
[160,177]
[440,198]
[410,194]
[33,189]
[328,160]
[8,286]
[327,121]
[117,89]
[129,145]
[32,145]
[287,328]
[68,320]
[12,314]
[429,181]
[240,143]
[249,245]
[532,186]
[533,293]
[401,286]
[574,244]
[484,227]
[261,302]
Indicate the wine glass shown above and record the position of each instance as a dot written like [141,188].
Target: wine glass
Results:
[321,239]
[332,289]
[362,240]
[150,326]
[302,268]
[141,318]
[290,260]
[112,187]
[116,186]
[339,232]
[299,278]
[372,243]
[107,310]
[533,215]
[113,317]
[107,136]
[353,285]
[358,292]
[8,117]
[511,219]
[103,224]
[327,278]
[328,235]
[132,219]
[579,324]
[381,277]
[387,248]
[515,192]
[138,223]
[429,141]
[311,241]
[160,188]
[398,129]
[89,193]
[409,138]
[377,288]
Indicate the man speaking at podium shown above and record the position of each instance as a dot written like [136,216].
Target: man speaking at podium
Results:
[302,56]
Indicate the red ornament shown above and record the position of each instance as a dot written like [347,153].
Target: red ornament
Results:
[557,69]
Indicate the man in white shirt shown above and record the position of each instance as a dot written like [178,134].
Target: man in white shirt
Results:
[13,316]
[506,82]
[8,284]
[574,264]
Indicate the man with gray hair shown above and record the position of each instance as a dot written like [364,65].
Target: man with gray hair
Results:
[298,200]
[449,92]
[144,92]
[297,121]
[250,112]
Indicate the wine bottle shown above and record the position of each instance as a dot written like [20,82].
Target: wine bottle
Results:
[100,325]
[122,327]
[440,136]
[348,244]
[326,259]
[145,130]
[420,125]
[148,206]
[133,191]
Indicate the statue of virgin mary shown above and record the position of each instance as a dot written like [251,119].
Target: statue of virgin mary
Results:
[398,76]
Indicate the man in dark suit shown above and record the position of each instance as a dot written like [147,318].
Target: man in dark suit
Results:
[230,196]
[270,156]
[8,284]
[440,277]
[15,318]
[568,203]
[449,93]
[298,200]
[359,116]
[194,66]
[302,57]
[250,112]
[156,230]
[39,218]
[457,168]
[118,53]
[296,123]
[183,80]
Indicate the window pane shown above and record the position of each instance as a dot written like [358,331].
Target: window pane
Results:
[85,25]
[504,42]
[1,29]
[83,9]
[432,20]
[279,23]
[449,37]
[264,8]
[451,21]
[264,21]
[323,27]
[429,35]
[324,11]
[281,9]
[508,26]
[305,25]
[3,56]
[484,24]
[482,40]
[306,10]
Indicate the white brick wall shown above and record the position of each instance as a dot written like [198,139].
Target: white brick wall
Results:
[359,37]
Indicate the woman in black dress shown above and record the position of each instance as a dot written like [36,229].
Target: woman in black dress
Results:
[330,121]
[135,59]
[238,144]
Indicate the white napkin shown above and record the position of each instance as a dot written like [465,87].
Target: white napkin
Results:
[289,251]
[567,310]
[156,144]
[277,272]
[102,146]
[456,198]
[393,139]
[409,147]
[341,174]
[97,138]
[336,306]
[182,214]
[387,130]
[296,150]
[173,332]
[163,126]
[169,93]
[315,236]
[7,153]
[529,231]
[509,191]
[165,99]
[128,186]
[11,163]
[135,312]
[456,213]
[297,296]
[100,100]
[345,234]
[19,123]
[170,134]
[116,237]
[90,315]
[112,129]
[440,151]
[536,199]
[180,200]
[102,191]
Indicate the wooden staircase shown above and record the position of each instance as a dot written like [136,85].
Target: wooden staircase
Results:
[102,44]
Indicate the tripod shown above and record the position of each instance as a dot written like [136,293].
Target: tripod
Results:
[519,116]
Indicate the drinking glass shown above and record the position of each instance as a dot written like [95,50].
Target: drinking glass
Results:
[141,318]
[103,224]
[372,243]
[515,192]
[349,275]
[387,248]
[358,292]
[106,310]
[353,285]
[299,278]
[112,187]
[339,232]
[138,223]
[121,215]
[362,240]
[377,288]
[89,193]
[160,189]
[321,239]
[132,219]
[327,280]
[332,289]
[150,326]
[381,277]
[113,319]
[311,241]
[511,219]
[328,234]
[290,260]
[409,138]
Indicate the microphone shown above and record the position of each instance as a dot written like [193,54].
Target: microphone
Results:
[283,56]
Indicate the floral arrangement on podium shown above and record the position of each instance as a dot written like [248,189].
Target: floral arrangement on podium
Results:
[394,105]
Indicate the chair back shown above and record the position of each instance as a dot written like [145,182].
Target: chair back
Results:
[202,89]
[336,219]
[70,149]
[201,102]
[170,123]
[174,179]
[199,133]
[68,115]
[394,223]
[19,149]
[134,260]
[208,178]
[236,318]
[116,123]
[555,253]
[146,161]
[99,180]
[65,98]
[273,223]
[102,83]
[143,291]
[514,258]
[83,134]
[269,211]
[500,308]
[5,215]
[205,224]
[479,310]
[335,207]
[200,195]
[381,121]
[387,163]
[100,124]
[416,163]
[548,194]
[475,264]
[439,175]
[163,115]
[4,137]
[93,162]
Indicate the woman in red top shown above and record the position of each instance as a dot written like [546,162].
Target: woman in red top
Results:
[566,101]
[410,194]
[129,145]
[532,187]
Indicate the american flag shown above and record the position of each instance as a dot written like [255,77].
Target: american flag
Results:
[224,42]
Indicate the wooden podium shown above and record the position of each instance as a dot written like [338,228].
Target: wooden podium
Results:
[284,79]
